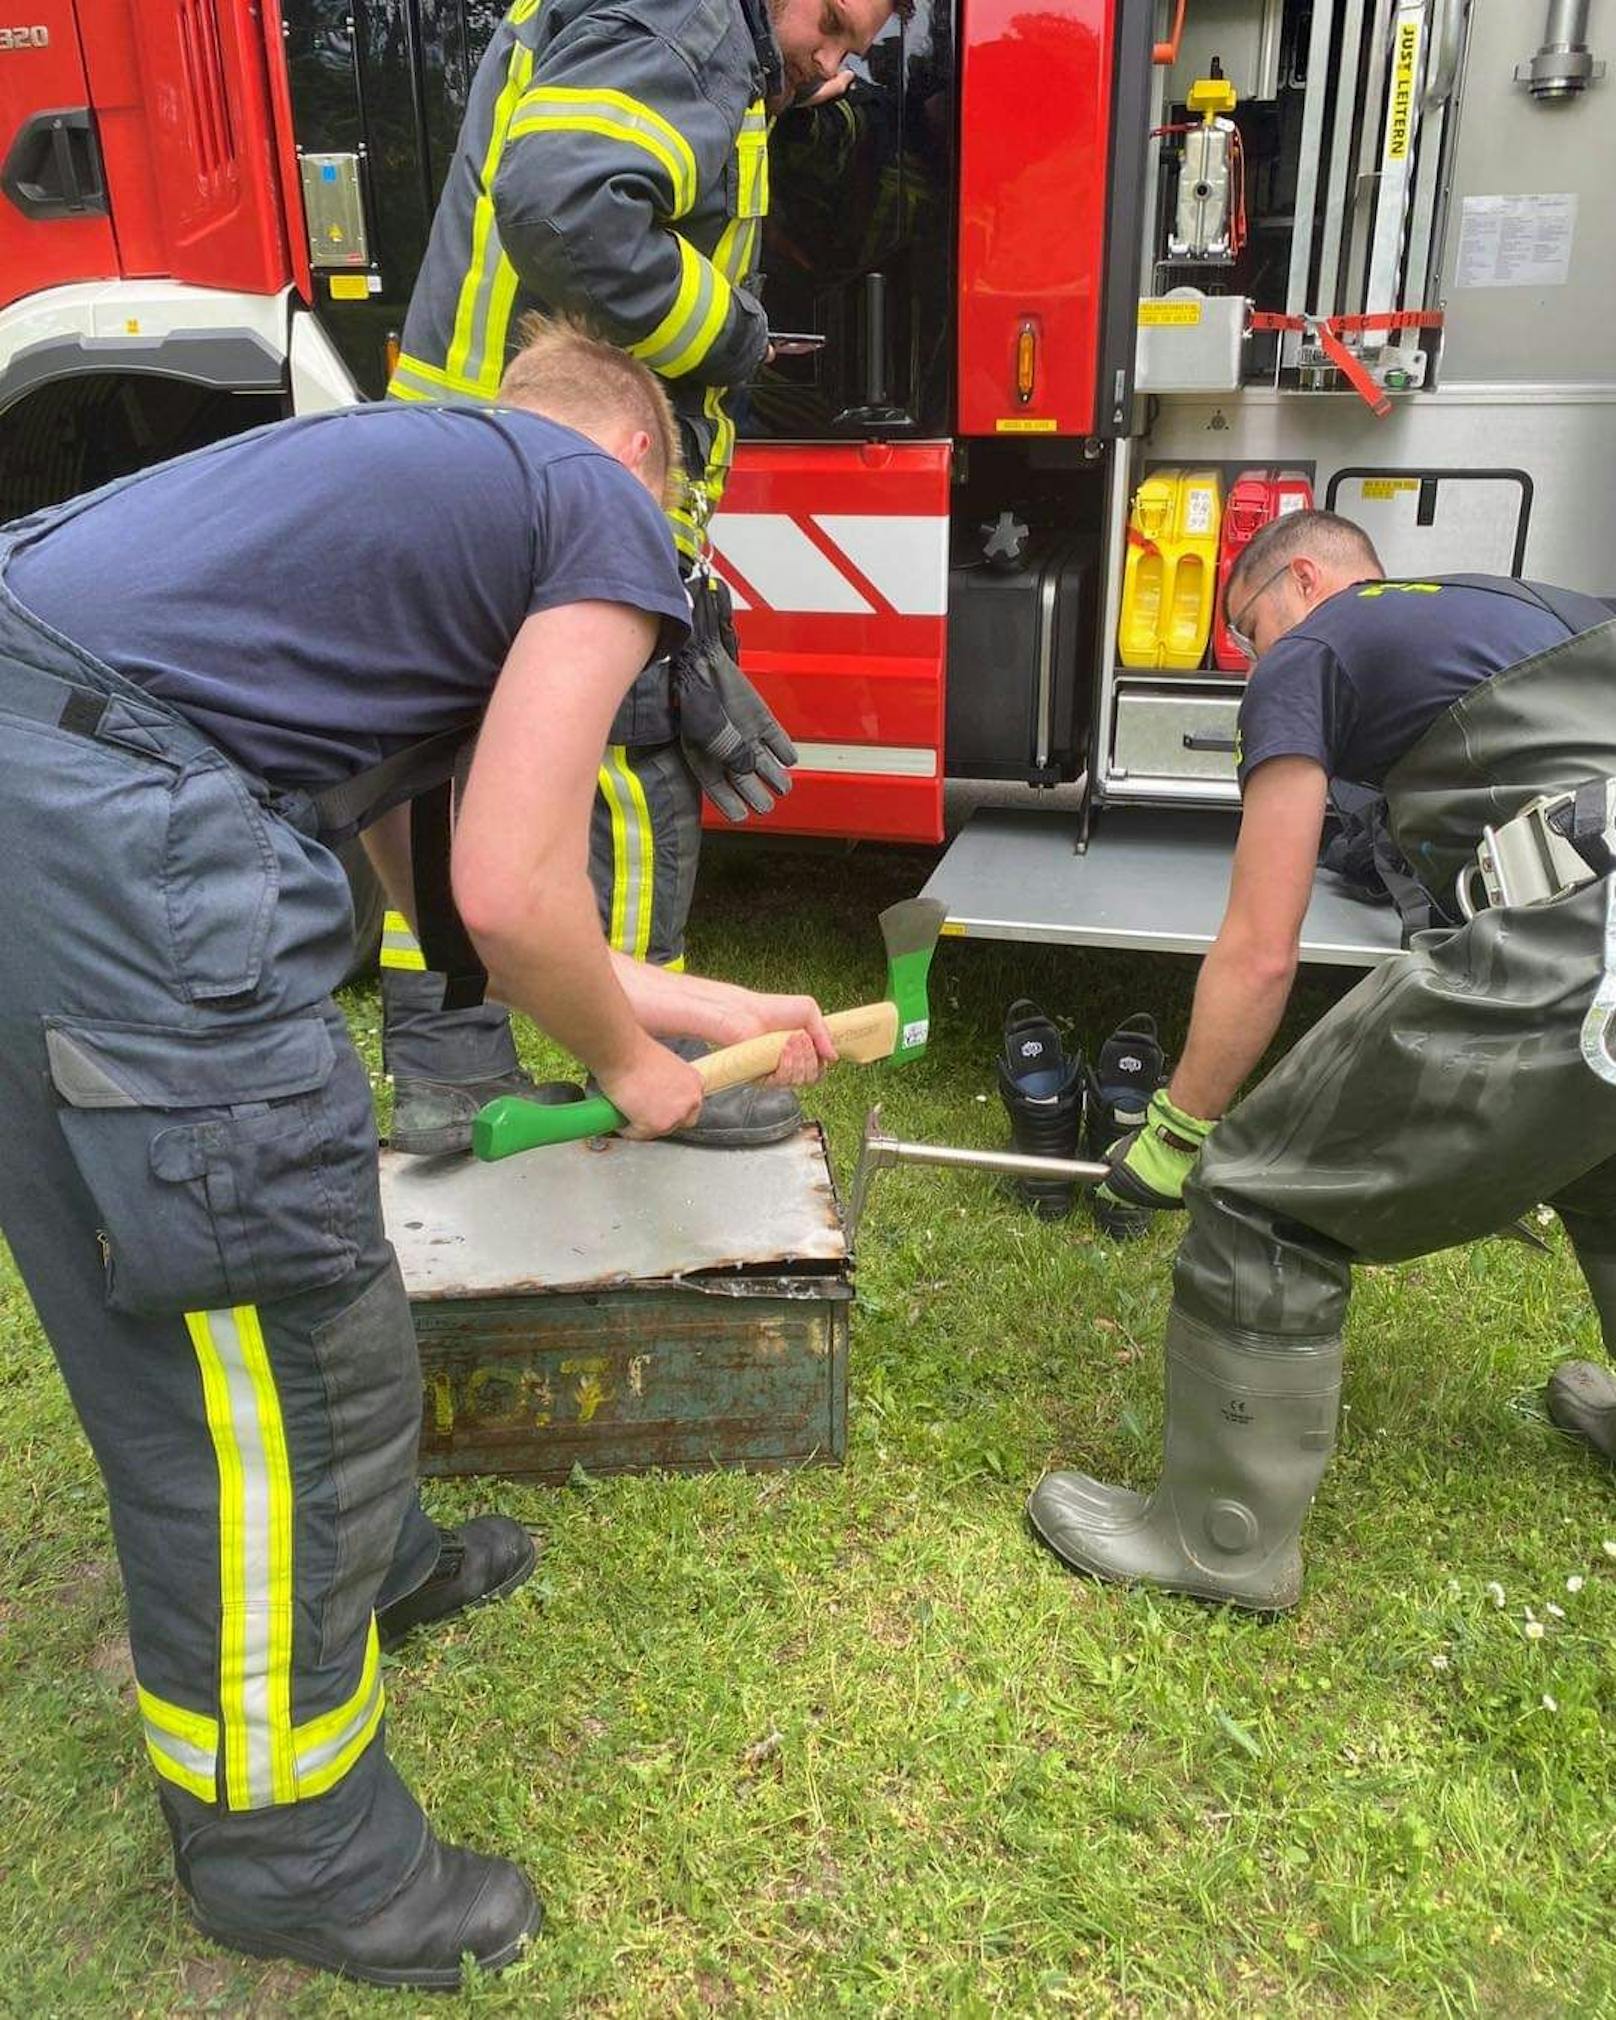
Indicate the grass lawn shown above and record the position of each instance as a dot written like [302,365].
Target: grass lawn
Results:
[847,1741]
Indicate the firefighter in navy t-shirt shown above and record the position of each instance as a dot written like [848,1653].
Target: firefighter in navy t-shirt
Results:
[209,672]
[1462,1083]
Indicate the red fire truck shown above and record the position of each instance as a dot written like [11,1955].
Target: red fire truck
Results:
[1361,245]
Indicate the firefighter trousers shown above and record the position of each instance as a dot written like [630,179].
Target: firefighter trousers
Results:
[190,1194]
[1447,1095]
[644,844]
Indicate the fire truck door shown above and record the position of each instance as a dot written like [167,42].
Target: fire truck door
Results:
[53,203]
[836,554]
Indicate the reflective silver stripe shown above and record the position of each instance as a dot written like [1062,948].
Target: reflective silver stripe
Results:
[400,948]
[255,1551]
[613,115]
[184,1745]
[633,854]
[328,1746]
[693,324]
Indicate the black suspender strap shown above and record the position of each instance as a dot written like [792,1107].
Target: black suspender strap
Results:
[445,944]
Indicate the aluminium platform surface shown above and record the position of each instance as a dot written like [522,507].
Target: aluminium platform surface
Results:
[1151,878]
[583,1216]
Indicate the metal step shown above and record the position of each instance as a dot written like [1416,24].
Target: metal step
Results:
[1150,878]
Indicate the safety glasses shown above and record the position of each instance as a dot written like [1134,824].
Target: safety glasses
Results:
[1237,627]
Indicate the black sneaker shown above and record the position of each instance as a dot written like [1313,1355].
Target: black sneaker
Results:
[1043,1095]
[1132,1066]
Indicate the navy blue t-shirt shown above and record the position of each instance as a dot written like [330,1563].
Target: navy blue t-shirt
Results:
[1359,681]
[321,592]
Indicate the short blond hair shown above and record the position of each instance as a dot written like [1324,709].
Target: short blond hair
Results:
[568,373]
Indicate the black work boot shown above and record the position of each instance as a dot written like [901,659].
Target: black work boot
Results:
[1131,1067]
[1043,1094]
[432,1118]
[453,1903]
[479,1562]
[1581,1395]
[739,1118]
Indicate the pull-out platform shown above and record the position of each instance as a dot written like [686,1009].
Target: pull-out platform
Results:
[1149,878]
[624,1306]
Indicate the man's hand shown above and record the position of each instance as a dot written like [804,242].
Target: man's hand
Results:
[811,1048]
[657,1091]
[736,749]
[1150,1164]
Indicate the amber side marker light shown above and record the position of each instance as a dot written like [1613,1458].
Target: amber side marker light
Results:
[1026,362]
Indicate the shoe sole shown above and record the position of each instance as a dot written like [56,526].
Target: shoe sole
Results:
[736,1139]
[431,1143]
[1205,1593]
[518,1577]
[443,1979]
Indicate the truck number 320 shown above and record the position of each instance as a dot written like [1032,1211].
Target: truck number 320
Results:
[24,38]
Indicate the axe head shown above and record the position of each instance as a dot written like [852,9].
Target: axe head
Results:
[910,930]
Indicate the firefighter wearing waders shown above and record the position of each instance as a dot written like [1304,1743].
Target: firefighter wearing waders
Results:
[613,163]
[1465,1081]
[209,673]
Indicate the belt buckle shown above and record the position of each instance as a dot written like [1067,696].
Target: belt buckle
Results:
[1526,861]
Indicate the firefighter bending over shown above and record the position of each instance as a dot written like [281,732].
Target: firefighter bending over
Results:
[193,708]
[613,163]
[1459,1085]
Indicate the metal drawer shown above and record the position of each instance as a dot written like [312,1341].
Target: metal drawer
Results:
[1164,733]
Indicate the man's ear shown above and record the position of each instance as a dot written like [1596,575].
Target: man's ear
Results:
[634,448]
[1308,577]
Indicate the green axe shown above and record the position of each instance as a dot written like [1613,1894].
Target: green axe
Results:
[894,1028]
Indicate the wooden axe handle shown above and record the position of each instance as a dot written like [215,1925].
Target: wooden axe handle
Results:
[869,1032]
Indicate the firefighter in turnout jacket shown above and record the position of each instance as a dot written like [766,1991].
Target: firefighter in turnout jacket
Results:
[613,163]
[190,1185]
[1465,1081]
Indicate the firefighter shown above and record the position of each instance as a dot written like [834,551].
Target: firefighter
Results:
[1463,1082]
[613,162]
[209,672]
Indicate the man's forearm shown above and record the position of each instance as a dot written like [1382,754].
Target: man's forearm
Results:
[555,968]
[1239,999]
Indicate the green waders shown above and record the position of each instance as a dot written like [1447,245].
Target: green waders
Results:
[1459,1085]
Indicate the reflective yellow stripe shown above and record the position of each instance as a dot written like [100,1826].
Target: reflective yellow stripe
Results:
[329,1745]
[752,157]
[476,291]
[675,966]
[400,948]
[699,311]
[255,1555]
[183,1745]
[414,379]
[524,10]
[633,853]
[561,108]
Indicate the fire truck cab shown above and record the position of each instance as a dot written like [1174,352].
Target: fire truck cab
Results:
[1102,285]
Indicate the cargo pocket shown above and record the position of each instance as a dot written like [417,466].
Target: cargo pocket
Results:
[210,1158]
[220,881]
[372,1379]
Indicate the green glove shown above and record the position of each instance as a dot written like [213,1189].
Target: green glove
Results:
[1150,1164]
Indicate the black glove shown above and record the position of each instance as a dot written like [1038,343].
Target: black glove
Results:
[736,749]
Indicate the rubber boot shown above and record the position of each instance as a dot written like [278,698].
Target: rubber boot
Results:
[1043,1094]
[433,1118]
[1250,1430]
[1581,1395]
[740,1118]
[479,1562]
[1131,1067]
